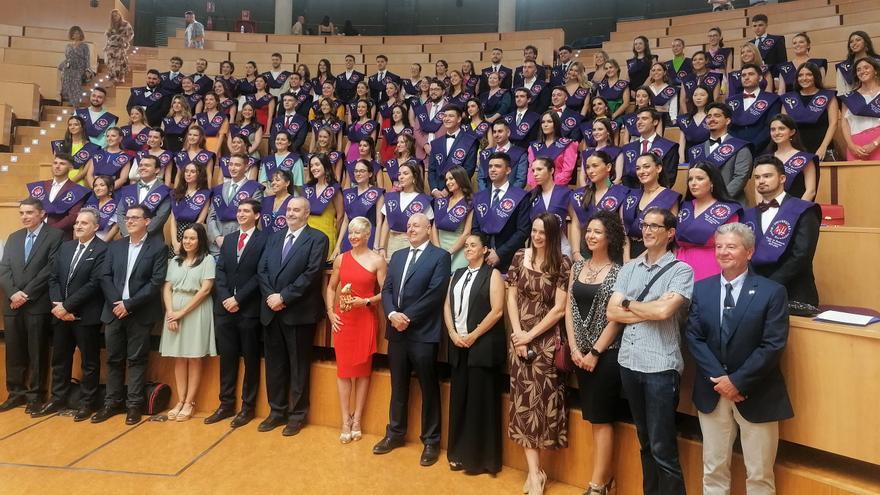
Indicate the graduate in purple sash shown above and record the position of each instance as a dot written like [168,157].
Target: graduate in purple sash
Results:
[519,158]
[551,144]
[274,207]
[597,75]
[363,199]
[427,118]
[665,98]
[151,97]
[97,119]
[225,199]
[453,216]
[398,124]
[202,84]
[325,142]
[505,74]
[702,76]
[680,65]
[530,54]
[246,125]
[327,107]
[570,119]
[770,46]
[305,79]
[347,80]
[539,91]
[326,118]
[598,110]
[190,201]
[637,68]
[61,197]
[814,109]
[102,200]
[441,72]
[649,141]
[380,79]
[112,160]
[786,231]
[229,84]
[150,192]
[302,98]
[76,144]
[366,151]
[194,152]
[523,121]
[859,45]
[577,88]
[732,156]
[749,55]
[400,205]
[642,97]
[323,74]
[456,93]
[225,98]
[475,122]
[214,122]
[411,86]
[276,76]
[496,100]
[720,58]
[599,194]
[753,109]
[603,135]
[263,102]
[283,159]
[192,97]
[559,72]
[289,120]
[136,132]
[549,197]
[362,127]
[239,145]
[801,167]
[692,125]
[706,205]
[405,151]
[614,89]
[650,194]
[170,81]
[176,123]
[155,138]
[861,113]
[247,85]
[469,78]
[453,148]
[361,92]
[787,72]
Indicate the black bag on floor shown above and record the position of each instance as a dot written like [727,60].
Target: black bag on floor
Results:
[158,396]
[74,395]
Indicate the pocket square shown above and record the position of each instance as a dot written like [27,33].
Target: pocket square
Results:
[90,259]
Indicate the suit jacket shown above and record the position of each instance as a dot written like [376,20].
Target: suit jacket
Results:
[423,293]
[63,221]
[772,50]
[215,227]
[377,87]
[750,356]
[79,293]
[512,236]
[490,350]
[436,163]
[540,74]
[31,277]
[758,133]
[298,278]
[145,281]
[735,172]
[157,223]
[794,269]
[237,277]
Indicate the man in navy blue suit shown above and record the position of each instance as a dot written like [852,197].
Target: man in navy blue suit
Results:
[413,291]
[455,147]
[753,109]
[290,275]
[737,331]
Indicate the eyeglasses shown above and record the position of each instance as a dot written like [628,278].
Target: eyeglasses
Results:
[132,219]
[652,227]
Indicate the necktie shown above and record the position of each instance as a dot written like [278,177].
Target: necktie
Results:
[727,316]
[496,197]
[414,255]
[287,120]
[748,95]
[644,145]
[766,205]
[28,245]
[519,117]
[467,280]
[232,190]
[287,245]
[241,239]
[76,256]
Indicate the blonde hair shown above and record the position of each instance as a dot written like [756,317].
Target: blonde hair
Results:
[185,110]
[758,60]
[361,223]
[581,73]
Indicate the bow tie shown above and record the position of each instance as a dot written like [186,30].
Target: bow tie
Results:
[451,136]
[714,141]
[764,205]
[748,95]
[143,186]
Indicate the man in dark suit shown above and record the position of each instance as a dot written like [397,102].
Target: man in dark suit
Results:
[134,273]
[61,197]
[523,122]
[77,301]
[154,99]
[290,276]
[302,100]
[237,304]
[732,156]
[533,82]
[647,122]
[787,229]
[502,214]
[771,46]
[505,73]
[149,192]
[170,81]
[454,147]
[753,109]
[737,331]
[382,77]
[413,291]
[560,71]
[24,280]
[530,54]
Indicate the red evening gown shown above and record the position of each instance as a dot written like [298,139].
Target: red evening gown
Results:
[356,340]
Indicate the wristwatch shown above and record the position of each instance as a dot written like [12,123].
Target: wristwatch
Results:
[595,352]
[625,304]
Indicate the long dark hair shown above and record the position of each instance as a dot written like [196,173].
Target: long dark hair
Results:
[609,128]
[464,182]
[68,137]
[590,189]
[329,72]
[552,265]
[788,122]
[592,115]
[613,231]
[202,236]
[647,44]
[557,125]
[869,46]
[329,176]
[369,165]
[179,191]
[719,189]
[417,173]
[817,76]
[710,98]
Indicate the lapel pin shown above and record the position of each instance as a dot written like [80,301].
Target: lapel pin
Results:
[752,292]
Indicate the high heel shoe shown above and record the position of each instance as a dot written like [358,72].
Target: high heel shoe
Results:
[186,412]
[172,414]
[537,487]
[606,489]
[356,429]
[345,435]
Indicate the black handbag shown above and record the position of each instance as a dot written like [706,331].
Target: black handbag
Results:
[158,396]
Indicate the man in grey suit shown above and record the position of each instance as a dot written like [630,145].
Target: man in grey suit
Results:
[149,192]
[24,278]
[225,199]
[732,156]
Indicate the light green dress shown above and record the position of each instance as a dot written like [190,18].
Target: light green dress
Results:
[447,239]
[195,336]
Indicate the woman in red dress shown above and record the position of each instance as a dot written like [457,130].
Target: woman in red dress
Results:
[352,297]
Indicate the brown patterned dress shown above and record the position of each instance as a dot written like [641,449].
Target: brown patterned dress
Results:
[538,417]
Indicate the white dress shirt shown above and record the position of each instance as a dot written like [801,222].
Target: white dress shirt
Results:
[737,284]
[143,191]
[133,251]
[768,216]
[420,249]
[85,247]
[460,311]
[748,102]
[247,238]
[55,189]
[714,146]
[450,142]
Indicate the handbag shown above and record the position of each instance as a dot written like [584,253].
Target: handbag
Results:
[562,353]
[832,215]
[158,396]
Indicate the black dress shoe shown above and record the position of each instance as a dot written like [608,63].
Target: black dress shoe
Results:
[271,423]
[50,407]
[292,429]
[430,454]
[456,466]
[82,414]
[134,416]
[241,419]
[12,402]
[219,415]
[106,413]
[387,444]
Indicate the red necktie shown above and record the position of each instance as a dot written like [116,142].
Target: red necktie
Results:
[749,95]
[644,146]
[241,239]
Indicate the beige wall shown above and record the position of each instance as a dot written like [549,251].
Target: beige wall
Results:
[61,13]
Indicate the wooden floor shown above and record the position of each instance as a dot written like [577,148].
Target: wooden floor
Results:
[56,455]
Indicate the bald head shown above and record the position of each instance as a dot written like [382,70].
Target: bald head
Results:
[418,229]
[297,213]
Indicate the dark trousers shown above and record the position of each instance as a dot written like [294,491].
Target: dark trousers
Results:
[67,336]
[653,398]
[238,337]
[288,351]
[128,345]
[475,433]
[404,358]
[27,355]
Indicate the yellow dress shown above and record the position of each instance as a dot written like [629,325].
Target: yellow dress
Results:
[326,223]
[74,149]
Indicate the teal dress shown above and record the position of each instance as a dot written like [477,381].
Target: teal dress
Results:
[195,335]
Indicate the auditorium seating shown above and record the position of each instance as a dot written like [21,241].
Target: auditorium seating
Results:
[831,446]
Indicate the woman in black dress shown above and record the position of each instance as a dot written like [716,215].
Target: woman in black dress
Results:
[473,315]
[814,109]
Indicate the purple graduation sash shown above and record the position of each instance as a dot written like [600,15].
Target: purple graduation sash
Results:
[470,84]
[613,199]
[559,199]
[636,64]
[202,159]
[276,82]
[460,147]
[302,97]
[409,87]
[479,131]
[771,246]
[515,153]
[665,96]
[449,217]
[211,126]
[192,100]
[333,156]
[629,123]
[539,149]
[391,135]
[261,101]
[174,127]
[788,71]
[245,131]
[676,77]
[246,88]
[571,121]
[633,216]
[613,152]
[795,166]
[334,126]
[586,127]
[96,128]
[699,229]
[812,111]
[537,87]
[164,158]
[718,60]
[226,212]
[734,81]
[631,151]
[460,99]
[349,168]
[166,82]
[272,219]
[727,150]
[691,81]
[106,213]
[270,163]
[140,98]
[492,220]
[297,123]
[128,196]
[503,72]
[106,163]
[693,132]
[575,101]
[856,104]
[64,200]
[136,142]
[396,217]
[82,156]
[226,104]
[756,112]
[521,131]
[202,84]
[490,102]
[361,205]
[189,208]
[769,42]
[223,163]
[358,131]
[347,82]
[426,124]
[612,92]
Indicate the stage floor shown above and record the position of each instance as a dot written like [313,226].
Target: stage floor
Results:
[56,455]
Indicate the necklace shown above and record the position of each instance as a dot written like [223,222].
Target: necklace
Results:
[592,273]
